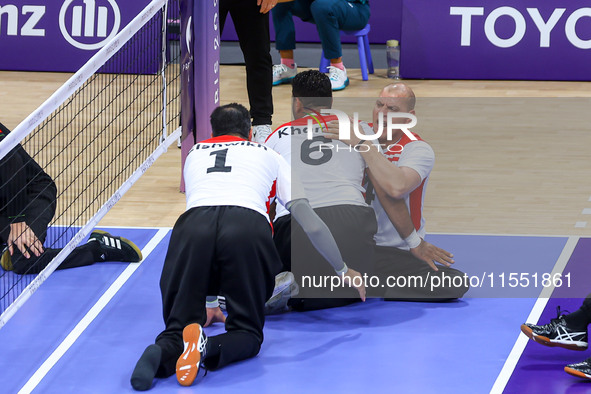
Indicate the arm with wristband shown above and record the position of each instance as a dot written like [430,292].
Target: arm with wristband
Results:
[398,214]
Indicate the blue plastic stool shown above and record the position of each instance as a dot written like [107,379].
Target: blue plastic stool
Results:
[364,52]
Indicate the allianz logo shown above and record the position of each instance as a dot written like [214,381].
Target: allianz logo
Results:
[84,24]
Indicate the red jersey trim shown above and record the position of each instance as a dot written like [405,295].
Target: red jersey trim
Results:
[272,195]
[222,138]
[415,198]
[304,121]
[274,131]
[415,202]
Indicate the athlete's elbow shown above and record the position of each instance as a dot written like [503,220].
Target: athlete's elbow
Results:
[396,192]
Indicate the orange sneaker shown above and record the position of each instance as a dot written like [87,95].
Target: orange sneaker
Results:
[188,363]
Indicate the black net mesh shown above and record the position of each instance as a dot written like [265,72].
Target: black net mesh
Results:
[79,156]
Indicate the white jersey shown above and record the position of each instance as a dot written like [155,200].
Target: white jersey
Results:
[419,156]
[228,170]
[331,172]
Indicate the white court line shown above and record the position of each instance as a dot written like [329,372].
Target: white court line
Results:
[533,317]
[580,224]
[502,235]
[136,227]
[90,315]
[587,211]
[119,227]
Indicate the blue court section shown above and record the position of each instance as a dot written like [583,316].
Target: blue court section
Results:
[541,368]
[391,346]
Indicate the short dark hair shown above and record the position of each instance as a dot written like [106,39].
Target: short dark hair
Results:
[313,88]
[230,119]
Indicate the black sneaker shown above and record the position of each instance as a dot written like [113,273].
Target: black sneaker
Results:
[557,333]
[116,248]
[581,370]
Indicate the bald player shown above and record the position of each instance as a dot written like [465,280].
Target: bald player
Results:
[399,167]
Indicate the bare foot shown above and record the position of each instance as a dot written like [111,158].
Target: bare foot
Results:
[214,315]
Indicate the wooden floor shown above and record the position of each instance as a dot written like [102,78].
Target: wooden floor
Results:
[512,157]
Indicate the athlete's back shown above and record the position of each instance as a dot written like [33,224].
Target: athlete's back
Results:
[331,172]
[229,170]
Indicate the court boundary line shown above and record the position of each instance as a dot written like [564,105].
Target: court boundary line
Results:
[521,342]
[511,235]
[122,227]
[89,317]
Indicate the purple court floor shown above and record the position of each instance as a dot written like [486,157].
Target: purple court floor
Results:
[85,328]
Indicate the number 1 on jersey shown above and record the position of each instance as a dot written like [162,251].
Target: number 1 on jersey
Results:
[220,161]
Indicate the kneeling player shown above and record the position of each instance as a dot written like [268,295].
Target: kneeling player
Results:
[223,244]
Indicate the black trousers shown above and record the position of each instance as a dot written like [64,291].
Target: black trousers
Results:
[587,306]
[223,250]
[39,213]
[252,29]
[401,263]
[353,228]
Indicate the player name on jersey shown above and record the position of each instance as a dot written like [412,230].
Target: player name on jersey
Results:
[210,145]
[229,170]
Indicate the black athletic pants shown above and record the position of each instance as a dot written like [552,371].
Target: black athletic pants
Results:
[223,250]
[587,306]
[39,214]
[252,29]
[353,228]
[398,263]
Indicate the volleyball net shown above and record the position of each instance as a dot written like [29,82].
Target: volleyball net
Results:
[94,138]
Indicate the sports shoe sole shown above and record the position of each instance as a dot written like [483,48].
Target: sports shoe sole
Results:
[550,343]
[187,365]
[285,280]
[128,242]
[576,373]
[6,261]
[283,80]
[343,86]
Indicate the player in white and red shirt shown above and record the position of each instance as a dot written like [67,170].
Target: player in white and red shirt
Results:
[399,169]
[332,178]
[223,244]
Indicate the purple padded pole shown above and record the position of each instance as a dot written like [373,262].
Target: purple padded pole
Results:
[203,65]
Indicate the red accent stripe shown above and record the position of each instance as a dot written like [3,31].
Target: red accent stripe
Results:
[303,121]
[222,138]
[274,131]
[415,202]
[272,194]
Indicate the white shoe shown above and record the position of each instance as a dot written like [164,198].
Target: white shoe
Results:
[338,78]
[282,281]
[283,74]
[261,132]
[285,289]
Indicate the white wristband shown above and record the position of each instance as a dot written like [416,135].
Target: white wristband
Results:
[413,240]
[343,270]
